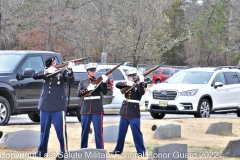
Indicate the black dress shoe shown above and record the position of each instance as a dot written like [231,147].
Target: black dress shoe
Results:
[115,152]
[36,155]
[60,157]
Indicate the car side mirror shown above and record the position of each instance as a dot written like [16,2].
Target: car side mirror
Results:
[27,73]
[218,84]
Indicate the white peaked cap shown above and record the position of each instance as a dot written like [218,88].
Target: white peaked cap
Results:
[131,71]
[91,65]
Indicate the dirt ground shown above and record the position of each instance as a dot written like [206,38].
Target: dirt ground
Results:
[192,133]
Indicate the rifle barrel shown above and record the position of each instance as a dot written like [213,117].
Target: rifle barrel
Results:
[74,60]
[126,89]
[99,80]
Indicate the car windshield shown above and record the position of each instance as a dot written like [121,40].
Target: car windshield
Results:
[190,77]
[9,61]
[177,70]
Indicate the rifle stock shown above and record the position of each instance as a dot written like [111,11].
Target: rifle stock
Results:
[99,80]
[128,88]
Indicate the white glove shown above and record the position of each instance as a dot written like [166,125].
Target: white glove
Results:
[104,78]
[141,78]
[70,65]
[91,86]
[51,70]
[130,83]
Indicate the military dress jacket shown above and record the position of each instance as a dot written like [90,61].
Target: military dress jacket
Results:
[130,106]
[53,96]
[92,103]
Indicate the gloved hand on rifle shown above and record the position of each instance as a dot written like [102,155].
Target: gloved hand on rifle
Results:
[104,78]
[50,70]
[130,83]
[70,65]
[141,78]
[91,86]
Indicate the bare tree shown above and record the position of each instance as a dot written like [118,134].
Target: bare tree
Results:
[134,31]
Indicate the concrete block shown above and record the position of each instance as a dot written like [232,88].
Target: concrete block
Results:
[110,133]
[20,139]
[232,149]
[171,151]
[168,131]
[220,128]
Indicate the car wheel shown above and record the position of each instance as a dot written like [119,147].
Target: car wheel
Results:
[35,117]
[204,109]
[79,114]
[158,81]
[157,115]
[238,113]
[5,111]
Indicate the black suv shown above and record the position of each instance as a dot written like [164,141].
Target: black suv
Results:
[20,93]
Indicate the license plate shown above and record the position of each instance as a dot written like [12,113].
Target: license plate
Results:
[163,103]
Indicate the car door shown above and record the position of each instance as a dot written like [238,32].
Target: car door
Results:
[156,75]
[74,101]
[30,89]
[232,81]
[220,95]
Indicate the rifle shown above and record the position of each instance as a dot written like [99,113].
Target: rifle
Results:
[99,80]
[61,66]
[128,88]
[74,60]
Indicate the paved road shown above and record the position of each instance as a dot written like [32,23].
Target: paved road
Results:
[110,116]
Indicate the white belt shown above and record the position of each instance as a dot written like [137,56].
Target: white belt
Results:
[133,101]
[92,97]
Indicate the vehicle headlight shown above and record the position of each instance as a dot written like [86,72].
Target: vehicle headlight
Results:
[148,94]
[189,92]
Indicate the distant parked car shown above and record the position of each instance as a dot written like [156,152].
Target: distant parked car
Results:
[162,73]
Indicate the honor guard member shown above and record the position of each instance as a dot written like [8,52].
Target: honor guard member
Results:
[92,107]
[130,113]
[53,104]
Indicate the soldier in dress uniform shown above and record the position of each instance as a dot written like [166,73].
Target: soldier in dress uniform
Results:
[92,107]
[130,113]
[53,105]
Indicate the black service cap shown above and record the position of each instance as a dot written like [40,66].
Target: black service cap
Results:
[49,61]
